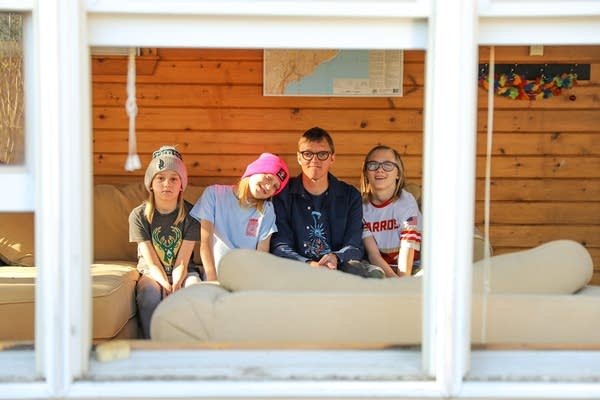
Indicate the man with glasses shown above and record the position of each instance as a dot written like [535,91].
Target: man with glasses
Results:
[318,217]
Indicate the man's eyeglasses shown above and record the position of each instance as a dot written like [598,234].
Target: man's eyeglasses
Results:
[321,155]
[387,166]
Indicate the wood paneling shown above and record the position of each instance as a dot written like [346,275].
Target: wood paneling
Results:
[545,178]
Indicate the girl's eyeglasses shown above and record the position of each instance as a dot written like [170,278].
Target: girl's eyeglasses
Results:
[321,155]
[387,166]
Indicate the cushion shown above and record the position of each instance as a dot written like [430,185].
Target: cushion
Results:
[113,293]
[111,227]
[16,238]
[556,267]
[112,206]
[244,269]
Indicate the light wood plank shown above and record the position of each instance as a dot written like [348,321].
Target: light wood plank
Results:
[546,213]
[259,119]
[574,190]
[246,142]
[534,235]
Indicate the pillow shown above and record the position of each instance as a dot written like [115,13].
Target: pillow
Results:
[16,238]
[112,206]
[244,269]
[111,226]
[557,267]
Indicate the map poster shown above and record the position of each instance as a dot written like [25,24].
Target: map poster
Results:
[333,73]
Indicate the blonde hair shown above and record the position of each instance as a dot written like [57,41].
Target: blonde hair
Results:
[245,198]
[365,186]
[151,207]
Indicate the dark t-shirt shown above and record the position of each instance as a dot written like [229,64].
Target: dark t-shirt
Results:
[166,238]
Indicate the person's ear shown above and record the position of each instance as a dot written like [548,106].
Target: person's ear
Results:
[333,158]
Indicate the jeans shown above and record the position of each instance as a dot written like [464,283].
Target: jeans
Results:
[361,268]
[149,293]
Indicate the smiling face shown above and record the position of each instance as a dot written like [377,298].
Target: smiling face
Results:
[380,179]
[315,168]
[263,186]
[166,185]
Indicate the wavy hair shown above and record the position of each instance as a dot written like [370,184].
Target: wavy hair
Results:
[365,186]
[151,207]
[245,198]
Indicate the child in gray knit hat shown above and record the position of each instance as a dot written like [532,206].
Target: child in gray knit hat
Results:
[165,234]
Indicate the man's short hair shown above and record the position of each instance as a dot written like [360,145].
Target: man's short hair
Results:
[317,134]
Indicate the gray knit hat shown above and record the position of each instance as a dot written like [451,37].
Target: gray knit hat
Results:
[166,158]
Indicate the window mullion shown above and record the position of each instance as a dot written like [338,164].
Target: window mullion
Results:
[448,196]
[63,171]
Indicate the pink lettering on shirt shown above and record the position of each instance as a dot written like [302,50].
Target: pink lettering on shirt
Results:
[252,227]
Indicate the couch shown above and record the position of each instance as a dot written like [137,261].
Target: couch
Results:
[113,271]
[538,296]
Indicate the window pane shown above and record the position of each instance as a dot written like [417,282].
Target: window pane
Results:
[540,290]
[17,279]
[217,120]
[12,133]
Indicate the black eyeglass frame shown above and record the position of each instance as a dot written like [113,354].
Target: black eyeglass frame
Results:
[309,155]
[388,166]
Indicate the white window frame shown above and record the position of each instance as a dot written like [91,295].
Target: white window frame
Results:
[450,30]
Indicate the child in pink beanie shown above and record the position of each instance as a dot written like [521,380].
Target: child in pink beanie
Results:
[242,215]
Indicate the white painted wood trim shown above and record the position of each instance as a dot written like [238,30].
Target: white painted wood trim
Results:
[63,208]
[536,8]
[280,8]
[16,5]
[63,202]
[448,194]
[227,31]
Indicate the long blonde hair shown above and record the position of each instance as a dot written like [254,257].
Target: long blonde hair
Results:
[245,198]
[365,186]
[151,207]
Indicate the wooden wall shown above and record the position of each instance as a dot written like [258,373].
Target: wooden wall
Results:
[546,153]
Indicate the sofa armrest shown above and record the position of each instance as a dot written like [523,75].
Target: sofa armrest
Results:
[244,269]
[557,267]
[187,315]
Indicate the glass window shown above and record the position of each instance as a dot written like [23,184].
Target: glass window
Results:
[65,215]
[12,133]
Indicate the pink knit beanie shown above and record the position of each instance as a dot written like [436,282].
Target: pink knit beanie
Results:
[269,163]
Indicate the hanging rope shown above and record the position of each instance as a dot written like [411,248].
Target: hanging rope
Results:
[487,191]
[133,160]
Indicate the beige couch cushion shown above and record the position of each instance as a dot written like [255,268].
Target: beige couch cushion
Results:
[244,269]
[16,238]
[111,226]
[557,267]
[113,299]
[278,302]
[561,266]
[113,288]
[112,206]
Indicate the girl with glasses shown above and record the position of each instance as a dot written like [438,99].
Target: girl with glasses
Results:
[391,216]
[239,216]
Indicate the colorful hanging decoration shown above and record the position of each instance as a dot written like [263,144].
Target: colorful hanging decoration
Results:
[517,87]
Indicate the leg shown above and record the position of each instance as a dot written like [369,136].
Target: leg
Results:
[148,295]
[191,279]
[362,268]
